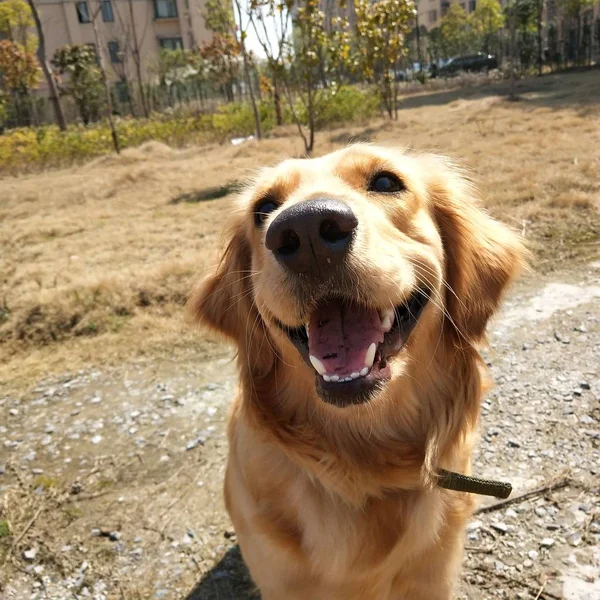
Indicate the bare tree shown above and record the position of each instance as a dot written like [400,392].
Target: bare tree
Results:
[242,42]
[100,49]
[137,59]
[513,7]
[539,24]
[41,53]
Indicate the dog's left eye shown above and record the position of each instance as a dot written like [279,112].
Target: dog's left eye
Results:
[386,183]
[262,210]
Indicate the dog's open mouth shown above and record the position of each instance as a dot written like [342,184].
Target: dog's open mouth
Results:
[349,345]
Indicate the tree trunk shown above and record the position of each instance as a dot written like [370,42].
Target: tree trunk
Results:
[311,116]
[41,53]
[109,111]
[137,60]
[419,55]
[540,15]
[277,102]
[513,49]
[257,124]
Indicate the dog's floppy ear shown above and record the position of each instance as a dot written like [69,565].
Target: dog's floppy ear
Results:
[224,302]
[220,301]
[482,255]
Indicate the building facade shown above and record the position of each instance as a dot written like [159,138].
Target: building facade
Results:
[127,28]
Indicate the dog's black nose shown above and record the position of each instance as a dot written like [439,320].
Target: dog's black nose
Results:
[312,236]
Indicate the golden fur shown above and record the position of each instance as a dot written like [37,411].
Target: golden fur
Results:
[340,503]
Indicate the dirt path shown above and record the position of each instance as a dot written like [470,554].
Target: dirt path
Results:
[110,482]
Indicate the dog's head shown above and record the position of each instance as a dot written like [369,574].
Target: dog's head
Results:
[349,268]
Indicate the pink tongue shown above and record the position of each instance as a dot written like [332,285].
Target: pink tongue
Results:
[340,335]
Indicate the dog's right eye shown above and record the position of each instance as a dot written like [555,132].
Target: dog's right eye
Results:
[262,211]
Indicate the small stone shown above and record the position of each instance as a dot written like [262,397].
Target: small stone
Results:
[574,539]
[114,536]
[584,385]
[540,511]
[547,543]
[533,554]
[30,554]
[50,428]
[65,548]
[96,439]
[2,470]
[501,527]
[581,328]
[37,471]
[193,443]
[137,552]
[511,514]
[528,563]
[96,532]
[513,444]
[577,392]
[96,400]
[211,386]
[13,412]
[38,569]
[76,488]
[553,527]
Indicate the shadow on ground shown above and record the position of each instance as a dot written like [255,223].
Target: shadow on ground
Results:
[211,193]
[554,91]
[227,580]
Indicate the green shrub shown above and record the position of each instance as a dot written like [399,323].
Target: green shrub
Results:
[340,105]
[35,148]
[236,119]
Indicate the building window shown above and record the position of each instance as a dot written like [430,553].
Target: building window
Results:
[172,43]
[463,5]
[445,8]
[114,52]
[122,91]
[165,9]
[432,16]
[472,5]
[83,12]
[107,11]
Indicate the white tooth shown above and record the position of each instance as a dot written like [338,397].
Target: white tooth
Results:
[364,371]
[369,356]
[335,378]
[306,327]
[318,365]
[326,378]
[348,379]
[355,375]
[387,319]
[386,323]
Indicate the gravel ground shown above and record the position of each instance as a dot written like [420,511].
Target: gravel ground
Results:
[110,482]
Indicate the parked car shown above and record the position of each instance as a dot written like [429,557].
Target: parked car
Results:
[471,63]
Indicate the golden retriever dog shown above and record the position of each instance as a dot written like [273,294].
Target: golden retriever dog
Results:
[356,288]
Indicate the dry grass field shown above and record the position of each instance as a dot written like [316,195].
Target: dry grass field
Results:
[96,261]
[110,419]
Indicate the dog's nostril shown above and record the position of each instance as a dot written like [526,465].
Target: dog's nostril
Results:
[290,243]
[331,232]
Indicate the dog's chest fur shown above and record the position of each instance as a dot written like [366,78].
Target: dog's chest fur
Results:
[333,539]
[343,541]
